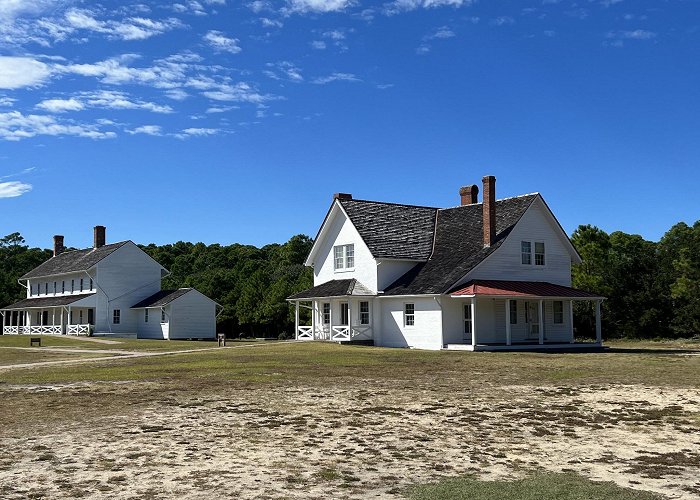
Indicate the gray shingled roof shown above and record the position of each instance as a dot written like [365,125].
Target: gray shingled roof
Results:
[393,231]
[73,261]
[162,298]
[62,300]
[334,288]
[459,246]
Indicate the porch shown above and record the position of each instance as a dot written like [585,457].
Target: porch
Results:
[513,315]
[337,311]
[72,315]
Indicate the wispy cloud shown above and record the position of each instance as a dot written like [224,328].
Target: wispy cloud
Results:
[14,189]
[107,99]
[318,6]
[15,126]
[284,70]
[154,130]
[398,6]
[197,132]
[218,41]
[336,77]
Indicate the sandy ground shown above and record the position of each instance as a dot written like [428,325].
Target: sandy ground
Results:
[344,440]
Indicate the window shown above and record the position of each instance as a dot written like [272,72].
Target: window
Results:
[80,317]
[145,316]
[162,316]
[81,284]
[343,257]
[63,287]
[326,313]
[91,288]
[72,286]
[344,313]
[364,313]
[526,252]
[409,314]
[513,312]
[38,318]
[116,317]
[468,319]
[54,288]
[558,306]
[539,253]
[46,288]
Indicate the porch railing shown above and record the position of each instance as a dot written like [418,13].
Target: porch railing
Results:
[305,333]
[10,330]
[79,329]
[338,333]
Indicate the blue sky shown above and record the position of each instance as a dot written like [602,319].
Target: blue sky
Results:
[222,121]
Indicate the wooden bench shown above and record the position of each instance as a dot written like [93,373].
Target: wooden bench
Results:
[35,340]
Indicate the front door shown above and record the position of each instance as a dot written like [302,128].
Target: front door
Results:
[91,316]
[532,319]
[344,316]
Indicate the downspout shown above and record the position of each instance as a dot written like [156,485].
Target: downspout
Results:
[442,321]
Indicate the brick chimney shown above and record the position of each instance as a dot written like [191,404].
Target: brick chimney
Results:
[57,245]
[342,196]
[489,210]
[100,237]
[469,194]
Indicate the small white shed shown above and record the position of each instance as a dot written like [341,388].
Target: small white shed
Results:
[184,313]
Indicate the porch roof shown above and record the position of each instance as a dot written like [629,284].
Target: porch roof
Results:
[334,288]
[42,302]
[535,289]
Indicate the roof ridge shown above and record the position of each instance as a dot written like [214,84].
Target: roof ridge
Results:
[499,199]
[390,203]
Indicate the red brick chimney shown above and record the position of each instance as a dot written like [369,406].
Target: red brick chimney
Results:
[469,194]
[342,196]
[57,245]
[489,210]
[100,236]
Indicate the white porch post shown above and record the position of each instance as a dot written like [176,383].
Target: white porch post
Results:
[541,311]
[330,319]
[571,320]
[473,306]
[314,303]
[349,319]
[62,331]
[508,336]
[53,316]
[296,319]
[598,327]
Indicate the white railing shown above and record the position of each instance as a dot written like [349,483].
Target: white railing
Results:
[79,329]
[25,330]
[340,333]
[362,331]
[10,330]
[47,329]
[305,333]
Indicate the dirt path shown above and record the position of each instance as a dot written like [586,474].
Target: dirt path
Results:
[117,354]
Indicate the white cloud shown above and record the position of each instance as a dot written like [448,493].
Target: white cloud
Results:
[503,21]
[108,99]
[318,44]
[336,77]
[633,35]
[441,33]
[7,102]
[15,126]
[13,189]
[221,42]
[61,105]
[398,6]
[17,72]
[10,9]
[284,70]
[146,129]
[319,6]
[131,28]
[270,23]
[197,132]
[220,109]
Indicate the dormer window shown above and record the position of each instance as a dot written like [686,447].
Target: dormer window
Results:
[344,257]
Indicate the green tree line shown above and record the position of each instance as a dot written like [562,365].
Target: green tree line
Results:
[652,288]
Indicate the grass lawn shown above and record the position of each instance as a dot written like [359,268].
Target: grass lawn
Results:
[124,344]
[319,420]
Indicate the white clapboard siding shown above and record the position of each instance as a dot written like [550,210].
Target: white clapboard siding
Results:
[389,271]
[153,329]
[425,334]
[192,315]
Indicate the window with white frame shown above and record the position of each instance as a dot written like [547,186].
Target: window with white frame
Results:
[54,288]
[468,323]
[81,284]
[539,253]
[91,286]
[558,307]
[72,286]
[343,257]
[409,314]
[145,316]
[163,318]
[116,316]
[513,312]
[80,317]
[526,252]
[364,313]
[63,287]
[46,288]
[326,313]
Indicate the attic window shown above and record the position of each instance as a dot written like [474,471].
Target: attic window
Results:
[344,257]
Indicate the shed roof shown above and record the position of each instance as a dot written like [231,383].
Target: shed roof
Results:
[334,288]
[162,298]
[40,302]
[496,288]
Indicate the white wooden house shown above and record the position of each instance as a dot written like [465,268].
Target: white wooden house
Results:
[479,276]
[109,289]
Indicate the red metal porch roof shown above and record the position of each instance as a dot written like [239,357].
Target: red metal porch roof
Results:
[522,289]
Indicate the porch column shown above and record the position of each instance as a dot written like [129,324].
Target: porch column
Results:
[571,320]
[473,306]
[3,318]
[296,319]
[540,305]
[508,336]
[62,330]
[349,319]
[330,320]
[598,327]
[314,303]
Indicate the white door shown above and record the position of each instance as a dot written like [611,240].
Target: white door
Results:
[532,319]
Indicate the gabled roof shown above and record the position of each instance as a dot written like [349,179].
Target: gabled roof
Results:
[333,288]
[459,246]
[73,261]
[393,231]
[61,300]
[501,288]
[162,298]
